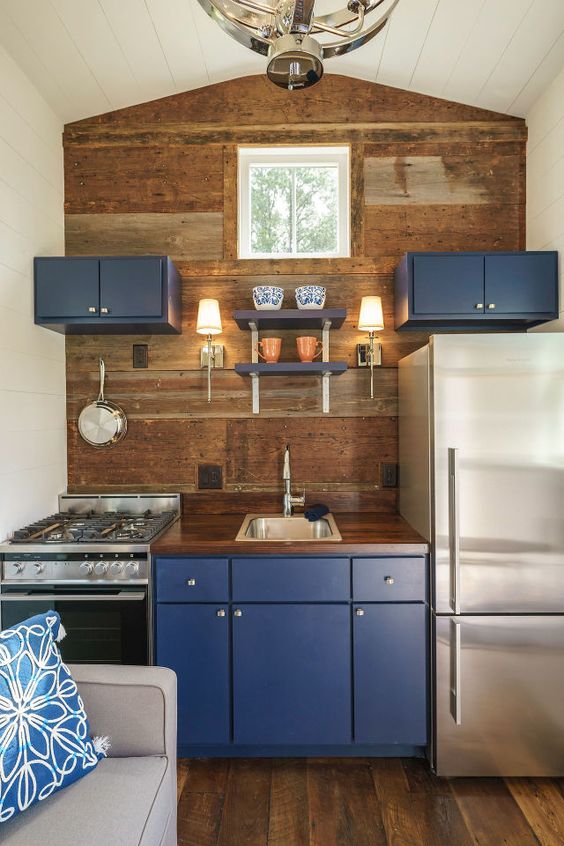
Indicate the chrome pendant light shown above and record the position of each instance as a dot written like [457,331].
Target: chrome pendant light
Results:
[294,38]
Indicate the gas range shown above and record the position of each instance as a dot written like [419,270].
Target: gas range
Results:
[91,563]
[95,537]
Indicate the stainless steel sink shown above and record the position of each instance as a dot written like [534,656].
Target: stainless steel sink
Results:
[275,527]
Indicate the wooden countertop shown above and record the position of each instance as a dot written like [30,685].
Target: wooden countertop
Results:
[363,534]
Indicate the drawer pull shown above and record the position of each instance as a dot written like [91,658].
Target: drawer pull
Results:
[359,612]
[92,309]
[491,306]
[237,613]
[220,613]
[479,305]
[104,310]
[389,580]
[191,582]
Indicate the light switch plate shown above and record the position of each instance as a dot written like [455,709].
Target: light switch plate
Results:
[210,477]
[140,355]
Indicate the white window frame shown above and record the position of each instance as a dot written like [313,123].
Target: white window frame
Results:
[297,156]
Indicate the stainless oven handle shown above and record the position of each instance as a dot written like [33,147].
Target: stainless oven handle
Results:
[123,595]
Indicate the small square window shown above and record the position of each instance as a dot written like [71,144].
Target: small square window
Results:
[294,202]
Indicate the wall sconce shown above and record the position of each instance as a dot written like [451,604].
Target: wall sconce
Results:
[371,320]
[209,323]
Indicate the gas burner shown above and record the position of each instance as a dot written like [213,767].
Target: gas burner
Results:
[90,527]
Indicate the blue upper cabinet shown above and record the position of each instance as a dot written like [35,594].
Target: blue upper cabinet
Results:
[476,290]
[448,285]
[110,295]
[522,283]
[66,288]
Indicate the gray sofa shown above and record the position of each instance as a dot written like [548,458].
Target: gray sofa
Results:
[130,798]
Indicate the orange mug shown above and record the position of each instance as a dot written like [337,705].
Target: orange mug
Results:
[270,349]
[307,348]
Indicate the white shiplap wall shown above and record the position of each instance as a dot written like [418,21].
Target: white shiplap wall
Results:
[545,179]
[32,360]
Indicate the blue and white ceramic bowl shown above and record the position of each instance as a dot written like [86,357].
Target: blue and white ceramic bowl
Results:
[310,296]
[268,297]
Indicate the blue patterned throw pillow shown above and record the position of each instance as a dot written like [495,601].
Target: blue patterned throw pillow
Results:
[45,741]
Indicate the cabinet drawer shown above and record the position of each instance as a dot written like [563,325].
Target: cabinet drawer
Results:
[390,579]
[192,580]
[291,579]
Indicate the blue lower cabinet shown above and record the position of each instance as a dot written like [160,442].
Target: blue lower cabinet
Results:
[193,640]
[292,674]
[390,673]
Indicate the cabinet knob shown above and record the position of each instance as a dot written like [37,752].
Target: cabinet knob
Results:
[237,613]
[191,582]
[359,612]
[389,580]
[491,306]
[220,613]
[104,311]
[479,305]
[92,310]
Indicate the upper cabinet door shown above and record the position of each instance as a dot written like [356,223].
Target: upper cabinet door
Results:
[67,287]
[523,283]
[131,287]
[448,285]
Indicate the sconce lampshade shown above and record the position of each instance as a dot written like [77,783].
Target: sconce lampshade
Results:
[209,318]
[371,317]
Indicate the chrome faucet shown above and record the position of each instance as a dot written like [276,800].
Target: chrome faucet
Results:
[289,500]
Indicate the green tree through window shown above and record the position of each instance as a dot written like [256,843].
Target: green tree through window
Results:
[294,209]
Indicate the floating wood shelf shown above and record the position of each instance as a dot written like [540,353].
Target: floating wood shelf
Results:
[324,319]
[288,368]
[291,318]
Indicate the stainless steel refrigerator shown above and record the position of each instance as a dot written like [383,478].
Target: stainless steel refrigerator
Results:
[482,477]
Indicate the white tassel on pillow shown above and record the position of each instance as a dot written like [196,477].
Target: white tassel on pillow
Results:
[62,633]
[102,745]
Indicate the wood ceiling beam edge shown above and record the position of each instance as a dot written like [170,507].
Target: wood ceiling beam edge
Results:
[104,135]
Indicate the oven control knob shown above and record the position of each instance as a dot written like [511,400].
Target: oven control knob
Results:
[101,567]
[19,566]
[39,567]
[132,568]
[116,567]
[87,567]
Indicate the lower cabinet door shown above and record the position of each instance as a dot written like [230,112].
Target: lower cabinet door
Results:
[193,640]
[292,674]
[390,673]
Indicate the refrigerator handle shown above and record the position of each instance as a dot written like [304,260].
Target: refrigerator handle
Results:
[455,671]
[454,529]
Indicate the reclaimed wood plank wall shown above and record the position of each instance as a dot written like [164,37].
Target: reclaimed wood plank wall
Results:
[426,174]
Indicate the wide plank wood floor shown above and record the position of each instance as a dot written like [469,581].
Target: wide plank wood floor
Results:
[360,802]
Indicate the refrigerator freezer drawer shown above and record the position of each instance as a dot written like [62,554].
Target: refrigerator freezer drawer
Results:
[499,694]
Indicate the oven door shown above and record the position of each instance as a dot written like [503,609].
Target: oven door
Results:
[104,625]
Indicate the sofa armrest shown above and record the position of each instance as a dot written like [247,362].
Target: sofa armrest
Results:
[134,706]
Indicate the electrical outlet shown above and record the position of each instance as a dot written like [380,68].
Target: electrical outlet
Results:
[389,475]
[210,477]
[140,355]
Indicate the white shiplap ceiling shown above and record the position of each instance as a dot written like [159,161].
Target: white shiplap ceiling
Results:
[92,56]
